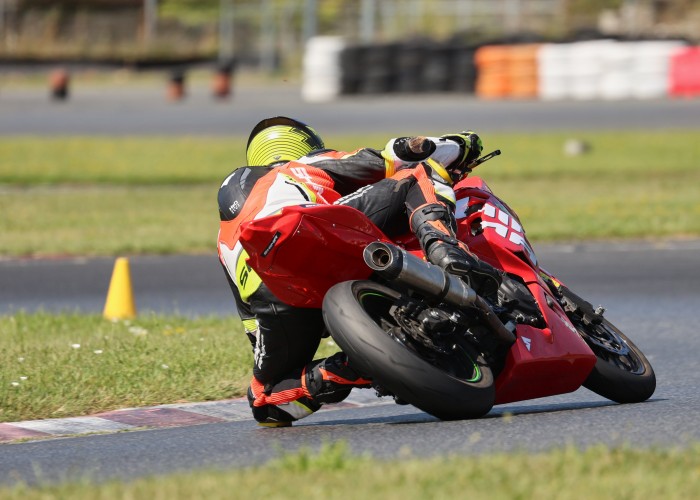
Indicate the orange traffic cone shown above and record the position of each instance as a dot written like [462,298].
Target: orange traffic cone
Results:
[120,298]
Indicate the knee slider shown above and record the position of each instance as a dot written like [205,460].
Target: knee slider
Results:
[331,380]
[284,412]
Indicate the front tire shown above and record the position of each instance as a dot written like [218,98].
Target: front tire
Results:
[622,373]
[454,386]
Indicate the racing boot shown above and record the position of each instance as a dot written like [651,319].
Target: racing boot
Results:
[304,391]
[330,380]
[434,225]
[281,404]
[479,275]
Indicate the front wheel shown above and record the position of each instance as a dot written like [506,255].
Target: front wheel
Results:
[622,373]
[450,384]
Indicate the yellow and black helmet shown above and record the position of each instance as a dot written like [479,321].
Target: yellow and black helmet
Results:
[280,139]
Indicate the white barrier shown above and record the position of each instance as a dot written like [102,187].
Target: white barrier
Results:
[605,69]
[651,68]
[553,71]
[587,63]
[322,74]
[597,69]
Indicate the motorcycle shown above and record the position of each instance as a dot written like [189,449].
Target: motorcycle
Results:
[425,336]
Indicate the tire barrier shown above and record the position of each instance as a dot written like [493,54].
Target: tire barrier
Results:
[332,68]
[603,69]
[321,69]
[507,71]
[651,69]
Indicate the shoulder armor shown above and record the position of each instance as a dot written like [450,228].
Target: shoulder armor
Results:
[235,189]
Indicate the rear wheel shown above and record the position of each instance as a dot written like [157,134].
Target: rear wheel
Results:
[450,380]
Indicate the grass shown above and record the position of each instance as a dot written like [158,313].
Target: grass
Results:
[31,161]
[107,196]
[98,196]
[618,156]
[332,472]
[65,365]
[109,220]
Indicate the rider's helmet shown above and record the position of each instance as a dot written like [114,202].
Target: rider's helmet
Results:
[280,139]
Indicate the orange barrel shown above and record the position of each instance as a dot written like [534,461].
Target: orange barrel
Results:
[522,71]
[491,71]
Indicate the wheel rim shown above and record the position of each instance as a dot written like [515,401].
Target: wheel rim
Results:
[608,344]
[459,363]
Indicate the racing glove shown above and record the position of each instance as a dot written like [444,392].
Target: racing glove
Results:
[470,148]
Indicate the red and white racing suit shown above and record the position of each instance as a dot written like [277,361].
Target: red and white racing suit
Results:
[287,383]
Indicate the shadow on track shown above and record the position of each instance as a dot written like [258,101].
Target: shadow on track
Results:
[496,413]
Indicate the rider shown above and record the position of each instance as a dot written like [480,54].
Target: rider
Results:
[405,186]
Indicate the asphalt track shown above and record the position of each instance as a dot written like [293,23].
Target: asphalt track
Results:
[650,291]
[138,110]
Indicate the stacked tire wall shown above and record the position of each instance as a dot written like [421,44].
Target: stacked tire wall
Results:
[606,69]
[412,67]
[597,69]
[507,71]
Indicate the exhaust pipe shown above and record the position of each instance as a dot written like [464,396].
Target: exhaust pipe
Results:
[395,264]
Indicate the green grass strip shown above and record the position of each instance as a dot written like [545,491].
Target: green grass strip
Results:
[30,161]
[619,156]
[564,474]
[109,196]
[109,220]
[66,365]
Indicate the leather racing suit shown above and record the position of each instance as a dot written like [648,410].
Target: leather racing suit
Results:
[397,194]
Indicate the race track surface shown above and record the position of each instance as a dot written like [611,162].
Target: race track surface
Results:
[145,110]
[650,291]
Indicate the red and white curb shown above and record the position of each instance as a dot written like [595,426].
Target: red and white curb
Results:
[171,415]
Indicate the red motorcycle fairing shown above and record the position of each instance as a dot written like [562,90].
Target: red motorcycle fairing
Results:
[304,250]
[492,230]
[543,361]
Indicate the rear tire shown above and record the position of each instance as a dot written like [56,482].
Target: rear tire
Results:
[455,386]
